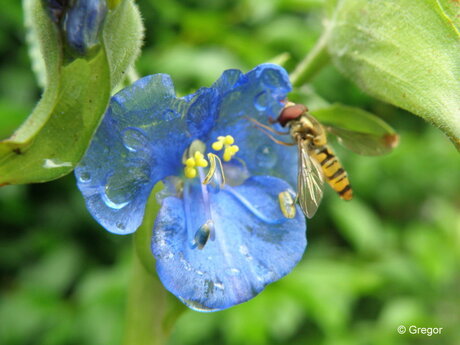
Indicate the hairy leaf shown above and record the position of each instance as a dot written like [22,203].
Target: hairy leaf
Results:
[404,52]
[55,136]
[358,130]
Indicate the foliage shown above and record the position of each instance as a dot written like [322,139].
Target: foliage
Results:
[55,136]
[389,257]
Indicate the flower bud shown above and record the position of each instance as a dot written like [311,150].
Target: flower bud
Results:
[82,24]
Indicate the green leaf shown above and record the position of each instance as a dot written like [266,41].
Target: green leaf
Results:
[403,52]
[358,130]
[55,136]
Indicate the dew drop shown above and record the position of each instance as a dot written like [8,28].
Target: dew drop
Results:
[84,177]
[120,226]
[134,139]
[266,157]
[113,198]
[261,101]
[168,256]
[170,114]
[219,285]
[231,271]
[264,274]
[271,78]
[122,187]
[245,252]
[185,263]
[197,306]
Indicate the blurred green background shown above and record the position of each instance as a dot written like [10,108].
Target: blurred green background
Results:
[390,257]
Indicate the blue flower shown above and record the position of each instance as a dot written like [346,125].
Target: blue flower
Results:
[228,225]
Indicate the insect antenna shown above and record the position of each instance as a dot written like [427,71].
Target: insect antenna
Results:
[266,130]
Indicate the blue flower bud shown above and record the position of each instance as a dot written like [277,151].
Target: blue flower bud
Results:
[56,9]
[82,24]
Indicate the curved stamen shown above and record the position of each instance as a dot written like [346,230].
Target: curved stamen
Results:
[212,169]
[251,208]
[207,205]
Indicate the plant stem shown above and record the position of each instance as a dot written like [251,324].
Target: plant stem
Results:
[146,308]
[151,310]
[312,63]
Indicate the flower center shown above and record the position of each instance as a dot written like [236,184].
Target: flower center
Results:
[194,158]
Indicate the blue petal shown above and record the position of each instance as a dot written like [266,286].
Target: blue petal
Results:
[251,246]
[257,95]
[140,141]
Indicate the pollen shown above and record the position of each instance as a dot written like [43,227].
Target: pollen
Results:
[192,163]
[226,143]
[190,172]
[200,161]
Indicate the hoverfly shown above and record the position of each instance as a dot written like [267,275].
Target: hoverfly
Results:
[317,161]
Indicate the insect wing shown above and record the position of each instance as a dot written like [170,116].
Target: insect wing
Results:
[364,143]
[309,182]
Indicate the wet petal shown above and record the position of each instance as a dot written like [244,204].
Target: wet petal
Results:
[258,95]
[131,151]
[251,243]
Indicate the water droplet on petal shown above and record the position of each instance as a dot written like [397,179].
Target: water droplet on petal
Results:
[266,157]
[84,176]
[245,251]
[122,187]
[120,226]
[197,306]
[185,263]
[261,100]
[134,139]
[168,256]
[264,274]
[170,114]
[272,79]
[219,285]
[231,271]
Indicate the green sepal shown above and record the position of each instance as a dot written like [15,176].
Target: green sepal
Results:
[403,52]
[54,138]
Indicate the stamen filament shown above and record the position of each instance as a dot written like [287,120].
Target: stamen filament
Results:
[212,169]
[207,205]
[245,202]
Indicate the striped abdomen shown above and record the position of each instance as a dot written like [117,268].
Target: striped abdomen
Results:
[333,171]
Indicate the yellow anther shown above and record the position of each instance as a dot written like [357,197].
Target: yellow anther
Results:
[227,143]
[190,162]
[229,140]
[200,161]
[227,155]
[189,172]
[234,149]
[229,152]
[217,145]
